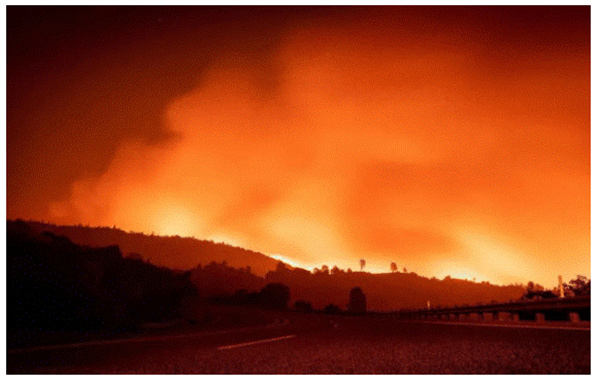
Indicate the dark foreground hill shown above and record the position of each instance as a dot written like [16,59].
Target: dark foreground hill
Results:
[389,291]
[169,251]
[54,284]
[222,270]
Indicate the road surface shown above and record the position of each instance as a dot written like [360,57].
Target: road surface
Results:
[319,344]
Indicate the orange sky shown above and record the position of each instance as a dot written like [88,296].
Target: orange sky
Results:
[453,141]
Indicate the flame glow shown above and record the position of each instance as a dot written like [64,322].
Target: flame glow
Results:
[330,136]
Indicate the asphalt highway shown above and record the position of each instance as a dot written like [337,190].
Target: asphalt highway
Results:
[319,344]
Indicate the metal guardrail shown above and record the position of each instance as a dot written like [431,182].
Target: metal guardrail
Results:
[568,304]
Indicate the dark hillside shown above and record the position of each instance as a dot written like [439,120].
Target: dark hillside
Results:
[169,251]
[389,291]
[54,284]
[220,269]
[215,279]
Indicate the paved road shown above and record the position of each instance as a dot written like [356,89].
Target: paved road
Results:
[326,344]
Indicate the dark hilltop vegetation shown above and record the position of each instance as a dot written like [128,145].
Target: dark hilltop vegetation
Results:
[55,283]
[219,269]
[168,251]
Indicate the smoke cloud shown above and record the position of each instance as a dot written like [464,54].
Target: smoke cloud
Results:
[449,150]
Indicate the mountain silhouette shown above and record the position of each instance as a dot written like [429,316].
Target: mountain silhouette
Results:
[175,252]
[388,291]
[54,284]
[221,270]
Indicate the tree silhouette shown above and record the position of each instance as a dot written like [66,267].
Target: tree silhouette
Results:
[303,306]
[362,264]
[56,284]
[335,270]
[325,269]
[281,267]
[533,287]
[275,295]
[536,291]
[404,270]
[393,267]
[358,301]
[579,286]
[332,309]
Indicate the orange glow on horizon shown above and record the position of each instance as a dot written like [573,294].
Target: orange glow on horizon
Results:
[450,141]
[175,220]
[288,261]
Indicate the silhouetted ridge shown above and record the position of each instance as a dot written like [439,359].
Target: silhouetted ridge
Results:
[385,292]
[54,284]
[169,251]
